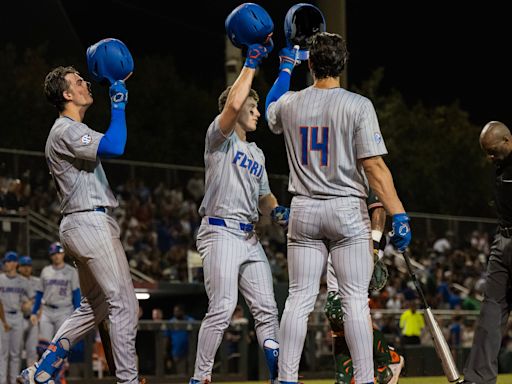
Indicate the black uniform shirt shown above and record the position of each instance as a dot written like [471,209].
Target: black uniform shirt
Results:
[503,192]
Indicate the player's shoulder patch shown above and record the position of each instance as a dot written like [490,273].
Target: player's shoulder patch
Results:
[377,137]
[86,139]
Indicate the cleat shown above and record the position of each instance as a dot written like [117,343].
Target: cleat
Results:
[396,367]
[27,376]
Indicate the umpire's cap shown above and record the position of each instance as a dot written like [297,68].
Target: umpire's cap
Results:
[302,21]
[55,248]
[109,59]
[10,256]
[248,24]
[25,260]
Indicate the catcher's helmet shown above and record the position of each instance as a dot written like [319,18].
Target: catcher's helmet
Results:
[302,21]
[248,24]
[109,59]
[55,248]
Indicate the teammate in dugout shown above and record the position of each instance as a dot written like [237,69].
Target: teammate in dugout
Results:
[88,232]
[388,363]
[482,363]
[30,331]
[15,293]
[59,293]
[233,258]
[335,149]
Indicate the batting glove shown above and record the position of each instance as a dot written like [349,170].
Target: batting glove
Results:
[118,95]
[257,52]
[288,58]
[280,215]
[401,233]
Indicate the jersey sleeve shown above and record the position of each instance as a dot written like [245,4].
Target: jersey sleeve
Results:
[368,138]
[274,117]
[214,136]
[264,185]
[78,141]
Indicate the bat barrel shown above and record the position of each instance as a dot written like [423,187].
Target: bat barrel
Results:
[442,349]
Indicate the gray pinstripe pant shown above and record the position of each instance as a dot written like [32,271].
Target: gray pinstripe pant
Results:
[232,261]
[340,227]
[92,239]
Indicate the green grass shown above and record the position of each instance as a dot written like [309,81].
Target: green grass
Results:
[502,379]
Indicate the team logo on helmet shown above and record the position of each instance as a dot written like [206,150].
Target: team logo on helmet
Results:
[55,248]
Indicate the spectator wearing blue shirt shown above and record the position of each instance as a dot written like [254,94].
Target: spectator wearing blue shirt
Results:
[179,338]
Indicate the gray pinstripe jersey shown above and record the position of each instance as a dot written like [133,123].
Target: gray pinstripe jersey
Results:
[14,291]
[70,151]
[57,285]
[235,176]
[326,132]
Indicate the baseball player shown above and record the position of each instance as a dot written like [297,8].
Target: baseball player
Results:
[88,232]
[388,363]
[30,331]
[236,188]
[334,148]
[59,293]
[14,295]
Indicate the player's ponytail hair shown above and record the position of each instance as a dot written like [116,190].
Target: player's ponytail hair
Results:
[55,84]
[328,55]
[224,97]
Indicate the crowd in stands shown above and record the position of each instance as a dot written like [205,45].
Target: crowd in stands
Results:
[159,226]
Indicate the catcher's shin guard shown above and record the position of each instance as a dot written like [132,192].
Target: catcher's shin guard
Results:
[381,353]
[52,360]
[271,349]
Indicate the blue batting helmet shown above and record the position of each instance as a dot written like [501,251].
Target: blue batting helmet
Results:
[25,260]
[109,59]
[248,24]
[10,256]
[55,248]
[302,21]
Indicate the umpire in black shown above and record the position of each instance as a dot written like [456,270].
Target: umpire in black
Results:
[482,364]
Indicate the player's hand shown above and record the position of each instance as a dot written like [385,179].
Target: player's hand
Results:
[288,58]
[280,215]
[257,52]
[118,95]
[401,233]
[34,319]
[7,327]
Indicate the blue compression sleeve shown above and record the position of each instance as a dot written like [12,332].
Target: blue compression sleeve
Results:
[113,142]
[76,298]
[37,302]
[280,87]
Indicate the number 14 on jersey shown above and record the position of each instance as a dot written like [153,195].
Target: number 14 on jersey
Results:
[310,141]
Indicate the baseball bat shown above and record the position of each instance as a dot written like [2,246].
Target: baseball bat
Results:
[103,328]
[443,351]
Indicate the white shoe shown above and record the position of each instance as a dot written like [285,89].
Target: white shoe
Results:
[27,376]
[396,368]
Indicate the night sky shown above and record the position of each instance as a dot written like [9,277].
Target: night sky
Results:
[432,51]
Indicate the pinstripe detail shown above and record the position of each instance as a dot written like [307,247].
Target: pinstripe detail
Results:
[78,173]
[232,261]
[92,239]
[339,227]
[231,190]
[354,133]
